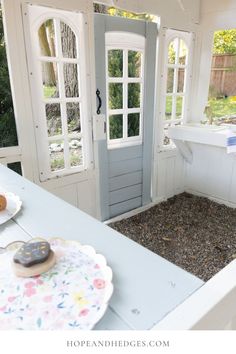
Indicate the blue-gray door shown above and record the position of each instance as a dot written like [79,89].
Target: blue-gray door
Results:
[125,52]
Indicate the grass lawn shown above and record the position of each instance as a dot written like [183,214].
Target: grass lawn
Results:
[179,104]
[220,107]
[223,107]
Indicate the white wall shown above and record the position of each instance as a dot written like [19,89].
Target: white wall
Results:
[212,173]
[169,175]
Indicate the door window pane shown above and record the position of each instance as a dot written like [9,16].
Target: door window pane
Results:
[115,96]
[50,80]
[133,124]
[172,51]
[71,80]
[73,117]
[134,95]
[134,63]
[46,35]
[181,78]
[56,150]
[68,41]
[116,126]
[75,152]
[183,52]
[53,115]
[115,63]
[179,106]
[168,109]
[170,80]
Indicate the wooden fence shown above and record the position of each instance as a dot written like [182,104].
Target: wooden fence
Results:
[223,75]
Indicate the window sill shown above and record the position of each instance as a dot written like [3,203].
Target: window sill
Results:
[118,145]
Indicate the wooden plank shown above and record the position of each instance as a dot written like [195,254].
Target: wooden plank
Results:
[101,153]
[126,193]
[103,180]
[126,153]
[123,207]
[211,307]
[146,286]
[125,180]
[179,173]
[169,177]
[111,321]
[122,167]
[149,98]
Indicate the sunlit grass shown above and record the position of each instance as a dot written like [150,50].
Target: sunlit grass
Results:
[223,107]
[168,110]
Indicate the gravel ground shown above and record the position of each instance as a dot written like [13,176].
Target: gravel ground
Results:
[193,232]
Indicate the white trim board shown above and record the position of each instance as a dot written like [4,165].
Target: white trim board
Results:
[214,199]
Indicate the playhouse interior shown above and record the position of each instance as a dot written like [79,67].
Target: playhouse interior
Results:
[126,110]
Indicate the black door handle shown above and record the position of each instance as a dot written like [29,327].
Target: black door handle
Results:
[99,101]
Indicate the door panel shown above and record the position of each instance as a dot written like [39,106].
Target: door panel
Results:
[125,170]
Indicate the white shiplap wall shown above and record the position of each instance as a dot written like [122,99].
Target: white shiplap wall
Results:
[169,174]
[212,174]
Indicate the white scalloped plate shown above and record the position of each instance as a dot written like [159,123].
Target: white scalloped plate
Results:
[13,206]
[74,294]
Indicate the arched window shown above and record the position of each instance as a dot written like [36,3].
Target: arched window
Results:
[58,66]
[176,81]
[58,57]
[125,81]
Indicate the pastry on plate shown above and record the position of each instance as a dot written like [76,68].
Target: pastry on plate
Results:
[33,258]
[3,202]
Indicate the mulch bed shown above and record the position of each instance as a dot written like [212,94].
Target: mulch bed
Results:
[193,232]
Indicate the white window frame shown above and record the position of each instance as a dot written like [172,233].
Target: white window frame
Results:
[127,42]
[76,22]
[187,37]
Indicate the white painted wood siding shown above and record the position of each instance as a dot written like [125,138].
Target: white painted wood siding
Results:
[169,175]
[212,174]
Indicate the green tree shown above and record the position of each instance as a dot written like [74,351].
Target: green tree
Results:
[8,135]
[225,42]
[132,15]
[113,11]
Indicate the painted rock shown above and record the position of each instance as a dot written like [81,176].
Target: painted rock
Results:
[32,253]
[3,202]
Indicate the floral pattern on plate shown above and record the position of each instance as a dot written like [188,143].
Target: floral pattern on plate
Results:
[72,295]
